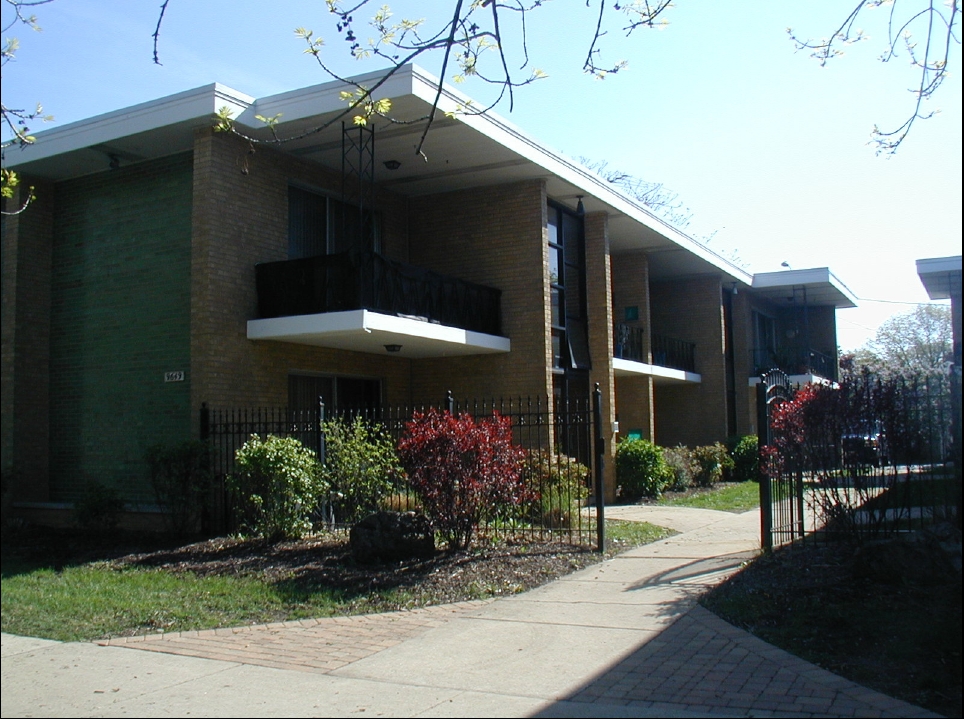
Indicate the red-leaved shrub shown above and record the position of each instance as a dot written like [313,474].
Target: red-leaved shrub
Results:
[463,471]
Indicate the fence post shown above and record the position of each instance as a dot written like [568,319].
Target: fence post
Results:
[763,439]
[321,433]
[599,459]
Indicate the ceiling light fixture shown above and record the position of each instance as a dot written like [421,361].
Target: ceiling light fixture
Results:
[393,348]
[392,164]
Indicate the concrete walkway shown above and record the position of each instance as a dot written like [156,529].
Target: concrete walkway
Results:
[623,638]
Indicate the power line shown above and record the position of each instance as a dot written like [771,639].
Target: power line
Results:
[899,302]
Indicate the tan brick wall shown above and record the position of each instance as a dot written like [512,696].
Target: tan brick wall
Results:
[599,303]
[227,369]
[25,370]
[691,310]
[634,395]
[493,236]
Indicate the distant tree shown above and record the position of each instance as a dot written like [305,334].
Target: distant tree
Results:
[916,340]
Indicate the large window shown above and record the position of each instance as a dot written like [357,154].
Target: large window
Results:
[567,281]
[338,393]
[322,225]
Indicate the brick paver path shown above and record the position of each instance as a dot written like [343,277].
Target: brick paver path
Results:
[308,645]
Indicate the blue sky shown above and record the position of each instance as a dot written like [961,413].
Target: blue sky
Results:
[768,150]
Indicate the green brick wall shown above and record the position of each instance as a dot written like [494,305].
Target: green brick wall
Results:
[120,319]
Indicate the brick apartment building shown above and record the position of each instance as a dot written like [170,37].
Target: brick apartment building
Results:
[165,265]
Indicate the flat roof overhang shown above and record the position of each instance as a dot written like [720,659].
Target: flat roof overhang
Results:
[464,151]
[941,276]
[369,332]
[660,375]
[813,287]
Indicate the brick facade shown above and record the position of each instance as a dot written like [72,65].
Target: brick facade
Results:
[25,367]
[691,310]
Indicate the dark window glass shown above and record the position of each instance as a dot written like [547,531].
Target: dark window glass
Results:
[307,224]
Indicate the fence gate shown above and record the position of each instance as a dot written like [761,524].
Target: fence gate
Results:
[781,484]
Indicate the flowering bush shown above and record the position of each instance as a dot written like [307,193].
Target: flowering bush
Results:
[278,483]
[360,466]
[463,471]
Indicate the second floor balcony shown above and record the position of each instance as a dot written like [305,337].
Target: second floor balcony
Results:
[793,361]
[628,344]
[369,281]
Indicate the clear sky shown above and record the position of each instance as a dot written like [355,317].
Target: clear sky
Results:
[769,150]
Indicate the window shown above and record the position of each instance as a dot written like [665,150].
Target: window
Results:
[341,393]
[322,225]
[567,278]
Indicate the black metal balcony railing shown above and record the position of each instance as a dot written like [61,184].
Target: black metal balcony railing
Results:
[793,361]
[354,281]
[667,351]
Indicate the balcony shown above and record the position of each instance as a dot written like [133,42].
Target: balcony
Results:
[366,302]
[672,359]
[794,361]
[667,351]
[369,281]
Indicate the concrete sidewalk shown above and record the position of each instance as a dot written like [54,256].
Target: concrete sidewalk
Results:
[620,638]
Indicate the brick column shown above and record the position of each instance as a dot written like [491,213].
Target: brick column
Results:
[600,320]
[634,395]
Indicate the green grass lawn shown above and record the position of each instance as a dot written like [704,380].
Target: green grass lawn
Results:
[94,600]
[730,497]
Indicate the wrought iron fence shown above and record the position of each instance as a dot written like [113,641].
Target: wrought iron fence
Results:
[870,457]
[557,467]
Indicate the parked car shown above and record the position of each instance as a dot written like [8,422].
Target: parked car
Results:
[866,446]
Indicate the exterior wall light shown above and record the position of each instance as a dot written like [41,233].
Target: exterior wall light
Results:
[580,208]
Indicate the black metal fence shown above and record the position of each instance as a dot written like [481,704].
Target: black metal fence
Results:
[560,454]
[869,457]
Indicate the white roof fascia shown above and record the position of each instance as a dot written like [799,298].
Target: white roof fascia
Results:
[200,104]
[935,274]
[796,278]
[324,98]
[508,135]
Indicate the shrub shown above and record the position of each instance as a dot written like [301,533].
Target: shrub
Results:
[746,459]
[641,470]
[278,482]
[361,467]
[181,479]
[557,486]
[714,461]
[462,470]
[683,468]
[98,510]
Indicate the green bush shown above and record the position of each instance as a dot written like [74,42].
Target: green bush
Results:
[641,470]
[558,485]
[361,467]
[745,453]
[714,461]
[98,510]
[181,479]
[278,483]
[682,466]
